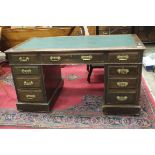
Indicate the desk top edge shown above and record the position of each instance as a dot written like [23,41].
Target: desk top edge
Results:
[140,45]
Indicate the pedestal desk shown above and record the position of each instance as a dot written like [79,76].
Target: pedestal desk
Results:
[36,67]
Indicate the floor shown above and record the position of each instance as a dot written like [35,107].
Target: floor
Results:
[149,76]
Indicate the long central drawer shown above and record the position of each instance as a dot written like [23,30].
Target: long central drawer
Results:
[72,58]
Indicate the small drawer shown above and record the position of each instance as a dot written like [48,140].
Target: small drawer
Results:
[122,83]
[28,82]
[86,58]
[123,57]
[55,58]
[123,71]
[121,97]
[89,58]
[26,70]
[30,96]
[23,58]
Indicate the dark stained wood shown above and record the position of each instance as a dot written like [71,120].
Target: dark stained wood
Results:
[124,71]
[31,95]
[72,58]
[124,57]
[139,46]
[37,75]
[121,97]
[26,70]
[121,109]
[41,106]
[24,58]
[122,83]
[33,81]
[38,86]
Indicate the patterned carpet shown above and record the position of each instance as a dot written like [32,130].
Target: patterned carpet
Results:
[85,114]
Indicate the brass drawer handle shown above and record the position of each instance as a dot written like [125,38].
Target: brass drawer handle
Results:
[86,57]
[26,71]
[121,98]
[122,71]
[105,33]
[24,59]
[28,83]
[122,57]
[55,58]
[30,97]
[122,84]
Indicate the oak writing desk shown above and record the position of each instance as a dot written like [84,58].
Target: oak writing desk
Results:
[37,74]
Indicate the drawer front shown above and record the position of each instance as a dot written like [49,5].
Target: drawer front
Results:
[23,58]
[72,58]
[26,70]
[28,82]
[30,96]
[121,97]
[123,71]
[122,83]
[123,57]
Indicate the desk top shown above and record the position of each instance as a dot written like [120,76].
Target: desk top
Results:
[78,43]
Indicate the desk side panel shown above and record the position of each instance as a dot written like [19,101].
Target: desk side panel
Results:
[52,79]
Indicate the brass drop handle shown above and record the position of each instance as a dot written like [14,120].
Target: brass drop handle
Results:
[30,97]
[121,98]
[28,83]
[24,59]
[122,71]
[86,57]
[26,71]
[55,58]
[122,84]
[122,57]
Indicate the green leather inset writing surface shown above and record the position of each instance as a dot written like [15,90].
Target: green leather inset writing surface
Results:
[77,42]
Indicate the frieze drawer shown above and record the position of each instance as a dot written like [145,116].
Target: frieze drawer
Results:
[30,96]
[122,83]
[123,71]
[72,58]
[28,82]
[124,57]
[121,97]
[23,58]
[26,70]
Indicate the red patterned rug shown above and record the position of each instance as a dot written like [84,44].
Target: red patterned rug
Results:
[78,106]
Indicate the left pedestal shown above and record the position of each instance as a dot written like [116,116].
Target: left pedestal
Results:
[37,86]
